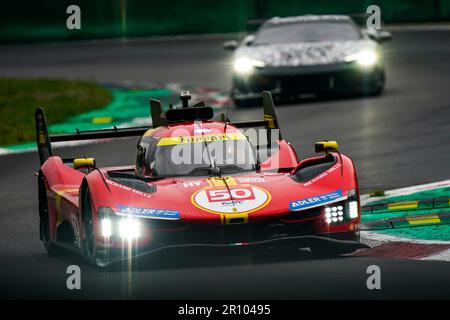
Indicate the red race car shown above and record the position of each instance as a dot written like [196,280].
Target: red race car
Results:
[197,182]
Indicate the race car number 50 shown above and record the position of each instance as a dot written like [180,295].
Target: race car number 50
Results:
[224,195]
[242,199]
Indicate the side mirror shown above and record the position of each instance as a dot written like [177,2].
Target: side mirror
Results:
[326,146]
[248,40]
[230,45]
[378,35]
[84,163]
[384,36]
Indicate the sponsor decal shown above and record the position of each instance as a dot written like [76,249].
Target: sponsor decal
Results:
[221,181]
[251,180]
[149,213]
[129,189]
[238,199]
[322,175]
[315,201]
[171,141]
[192,184]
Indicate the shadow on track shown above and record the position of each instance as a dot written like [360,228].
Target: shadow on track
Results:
[172,259]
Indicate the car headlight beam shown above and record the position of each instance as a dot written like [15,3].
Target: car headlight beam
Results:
[106,227]
[246,66]
[365,58]
[353,209]
[342,212]
[129,228]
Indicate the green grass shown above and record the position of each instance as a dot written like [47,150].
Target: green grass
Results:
[61,99]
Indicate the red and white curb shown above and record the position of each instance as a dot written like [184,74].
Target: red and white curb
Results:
[408,250]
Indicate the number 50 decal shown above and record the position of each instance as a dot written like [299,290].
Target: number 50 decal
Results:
[234,194]
[246,198]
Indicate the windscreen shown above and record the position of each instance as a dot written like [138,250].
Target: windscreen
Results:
[310,31]
[232,156]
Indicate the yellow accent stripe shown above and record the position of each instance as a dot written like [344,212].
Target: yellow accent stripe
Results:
[98,120]
[220,182]
[41,137]
[403,205]
[58,195]
[269,118]
[423,219]
[170,141]
[149,132]
[228,217]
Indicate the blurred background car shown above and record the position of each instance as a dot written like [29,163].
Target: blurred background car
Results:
[307,56]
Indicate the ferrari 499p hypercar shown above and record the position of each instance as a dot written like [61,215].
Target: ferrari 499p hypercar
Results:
[196,182]
[307,56]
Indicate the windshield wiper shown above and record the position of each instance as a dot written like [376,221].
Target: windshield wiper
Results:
[230,167]
[204,171]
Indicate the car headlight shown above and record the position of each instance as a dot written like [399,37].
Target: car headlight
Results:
[246,66]
[365,58]
[112,225]
[106,227]
[129,228]
[344,211]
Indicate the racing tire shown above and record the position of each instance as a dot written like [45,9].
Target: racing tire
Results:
[91,251]
[44,221]
[379,83]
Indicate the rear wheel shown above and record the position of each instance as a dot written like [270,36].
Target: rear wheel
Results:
[44,221]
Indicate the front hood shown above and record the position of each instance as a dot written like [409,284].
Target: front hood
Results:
[255,196]
[305,53]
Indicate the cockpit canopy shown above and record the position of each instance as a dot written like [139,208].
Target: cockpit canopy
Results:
[198,154]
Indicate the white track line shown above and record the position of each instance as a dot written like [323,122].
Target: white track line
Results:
[365,199]
[374,238]
[441,256]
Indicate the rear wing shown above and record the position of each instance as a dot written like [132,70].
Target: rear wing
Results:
[44,139]
[270,121]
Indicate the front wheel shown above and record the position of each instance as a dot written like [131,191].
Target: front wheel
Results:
[90,248]
[379,82]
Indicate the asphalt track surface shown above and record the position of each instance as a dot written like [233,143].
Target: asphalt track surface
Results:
[396,140]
